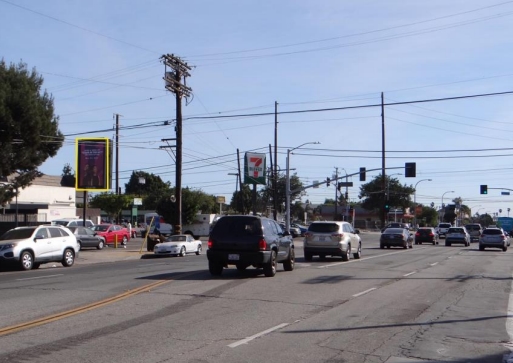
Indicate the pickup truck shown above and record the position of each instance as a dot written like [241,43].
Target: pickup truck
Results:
[442,229]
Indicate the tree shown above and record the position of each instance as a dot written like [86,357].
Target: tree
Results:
[241,200]
[428,217]
[68,176]
[152,190]
[111,203]
[373,196]
[30,132]
[266,194]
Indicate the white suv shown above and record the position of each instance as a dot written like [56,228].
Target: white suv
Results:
[32,246]
[332,239]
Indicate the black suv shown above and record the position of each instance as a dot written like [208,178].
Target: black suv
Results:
[246,241]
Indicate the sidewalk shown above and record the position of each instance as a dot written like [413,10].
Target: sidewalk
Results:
[111,254]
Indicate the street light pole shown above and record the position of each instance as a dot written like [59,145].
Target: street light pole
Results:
[443,206]
[287,185]
[236,190]
[415,201]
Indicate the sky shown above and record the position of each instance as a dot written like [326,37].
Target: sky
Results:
[100,58]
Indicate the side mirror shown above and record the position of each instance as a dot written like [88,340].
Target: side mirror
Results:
[39,236]
[286,233]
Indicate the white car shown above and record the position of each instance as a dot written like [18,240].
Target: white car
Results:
[31,246]
[178,245]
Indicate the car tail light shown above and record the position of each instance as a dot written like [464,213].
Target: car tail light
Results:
[417,234]
[210,243]
[308,234]
[503,237]
[431,234]
[337,235]
[262,244]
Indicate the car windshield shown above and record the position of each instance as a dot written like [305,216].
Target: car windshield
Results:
[472,227]
[492,231]
[100,228]
[177,239]
[323,227]
[61,223]
[21,233]
[394,231]
[455,230]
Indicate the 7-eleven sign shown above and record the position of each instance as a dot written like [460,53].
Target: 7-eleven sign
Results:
[254,168]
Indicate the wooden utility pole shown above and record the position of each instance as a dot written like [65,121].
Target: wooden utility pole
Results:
[117,154]
[173,78]
[275,171]
[384,180]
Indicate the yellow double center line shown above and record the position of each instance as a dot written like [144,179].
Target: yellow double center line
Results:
[82,309]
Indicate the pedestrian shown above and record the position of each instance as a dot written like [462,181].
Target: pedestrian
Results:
[129,227]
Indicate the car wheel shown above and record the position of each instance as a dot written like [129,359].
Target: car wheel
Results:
[79,245]
[447,244]
[198,251]
[505,248]
[26,261]
[68,258]
[270,267]
[308,256]
[481,248]
[420,243]
[322,257]
[358,253]
[288,265]
[346,255]
[124,241]
[182,252]
[382,246]
[388,246]
[215,268]
[100,245]
[36,265]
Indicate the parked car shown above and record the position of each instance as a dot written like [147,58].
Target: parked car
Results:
[426,234]
[86,237]
[294,231]
[29,247]
[246,241]
[442,229]
[457,235]
[332,239]
[396,237]
[178,245]
[110,231]
[494,238]
[302,229]
[475,230]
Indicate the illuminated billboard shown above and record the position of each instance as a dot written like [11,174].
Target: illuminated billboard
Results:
[93,164]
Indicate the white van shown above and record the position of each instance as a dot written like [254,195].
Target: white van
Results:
[73,222]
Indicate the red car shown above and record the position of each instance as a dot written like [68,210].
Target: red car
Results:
[110,231]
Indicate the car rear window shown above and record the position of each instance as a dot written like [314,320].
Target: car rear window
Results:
[394,231]
[323,227]
[455,230]
[424,231]
[492,231]
[444,225]
[238,226]
[472,227]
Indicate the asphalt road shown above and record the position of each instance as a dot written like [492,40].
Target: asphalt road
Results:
[426,304]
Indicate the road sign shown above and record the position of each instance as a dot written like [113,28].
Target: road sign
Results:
[345,184]
[504,193]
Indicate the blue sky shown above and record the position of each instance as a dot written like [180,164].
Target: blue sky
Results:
[102,57]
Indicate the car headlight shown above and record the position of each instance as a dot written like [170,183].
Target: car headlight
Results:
[7,246]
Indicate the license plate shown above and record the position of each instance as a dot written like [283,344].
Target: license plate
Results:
[233,257]
[321,239]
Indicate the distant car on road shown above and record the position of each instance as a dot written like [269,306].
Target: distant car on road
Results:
[178,245]
[302,228]
[457,235]
[426,234]
[294,231]
[396,225]
[332,239]
[396,237]
[493,238]
[475,230]
[442,229]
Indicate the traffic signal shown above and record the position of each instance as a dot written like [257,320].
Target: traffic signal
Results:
[484,189]
[328,181]
[410,170]
[362,174]
[387,208]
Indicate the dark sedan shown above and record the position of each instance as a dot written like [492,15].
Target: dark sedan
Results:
[398,237]
[426,234]
[86,237]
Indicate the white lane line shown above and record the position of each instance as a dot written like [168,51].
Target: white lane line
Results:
[248,339]
[433,264]
[39,277]
[411,273]
[509,328]
[368,258]
[364,292]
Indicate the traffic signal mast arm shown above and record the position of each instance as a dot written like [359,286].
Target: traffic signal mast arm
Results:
[340,177]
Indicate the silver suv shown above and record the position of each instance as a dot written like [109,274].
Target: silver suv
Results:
[332,239]
[442,229]
[29,247]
